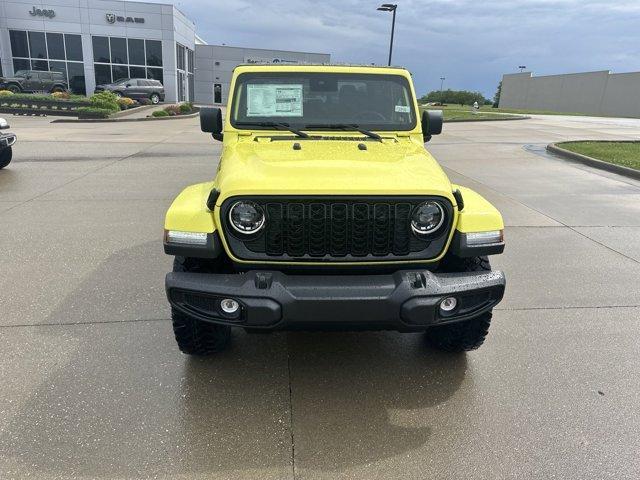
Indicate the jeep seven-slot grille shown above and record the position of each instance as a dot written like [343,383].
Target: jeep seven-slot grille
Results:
[317,228]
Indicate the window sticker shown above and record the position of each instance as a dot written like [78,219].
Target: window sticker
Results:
[403,109]
[274,100]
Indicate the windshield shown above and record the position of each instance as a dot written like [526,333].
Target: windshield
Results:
[307,101]
[22,73]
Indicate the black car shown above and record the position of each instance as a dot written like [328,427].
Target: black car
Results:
[34,81]
[6,141]
[135,88]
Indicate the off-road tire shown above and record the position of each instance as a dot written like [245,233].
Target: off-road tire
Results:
[14,88]
[195,337]
[57,89]
[5,157]
[469,334]
[198,338]
[155,98]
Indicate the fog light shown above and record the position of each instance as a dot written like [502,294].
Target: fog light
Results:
[449,304]
[229,305]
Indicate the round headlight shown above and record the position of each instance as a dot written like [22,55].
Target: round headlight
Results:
[246,217]
[427,218]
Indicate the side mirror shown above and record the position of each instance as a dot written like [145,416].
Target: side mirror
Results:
[3,124]
[431,123]
[28,77]
[127,85]
[211,122]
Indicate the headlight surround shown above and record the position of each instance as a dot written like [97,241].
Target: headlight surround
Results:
[427,218]
[246,217]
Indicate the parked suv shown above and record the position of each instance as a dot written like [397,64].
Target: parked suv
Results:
[135,88]
[34,81]
[327,212]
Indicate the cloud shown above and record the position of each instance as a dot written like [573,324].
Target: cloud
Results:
[471,43]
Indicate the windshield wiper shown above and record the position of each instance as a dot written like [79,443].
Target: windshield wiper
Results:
[344,126]
[276,125]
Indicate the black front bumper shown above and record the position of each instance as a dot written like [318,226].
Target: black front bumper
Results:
[405,300]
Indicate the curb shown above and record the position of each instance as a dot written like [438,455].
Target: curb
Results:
[469,120]
[594,162]
[112,120]
[131,111]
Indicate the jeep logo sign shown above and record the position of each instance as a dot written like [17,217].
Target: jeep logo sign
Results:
[39,12]
[113,18]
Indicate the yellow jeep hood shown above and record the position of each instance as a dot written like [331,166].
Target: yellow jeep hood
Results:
[330,167]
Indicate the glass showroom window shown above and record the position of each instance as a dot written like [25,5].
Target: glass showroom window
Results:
[116,58]
[58,52]
[184,72]
[190,72]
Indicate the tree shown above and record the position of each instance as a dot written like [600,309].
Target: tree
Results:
[496,97]
[461,97]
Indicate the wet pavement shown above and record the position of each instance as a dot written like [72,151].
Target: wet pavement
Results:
[93,386]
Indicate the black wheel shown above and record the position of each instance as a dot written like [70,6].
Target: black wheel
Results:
[57,90]
[14,88]
[469,334]
[155,98]
[117,94]
[5,157]
[195,337]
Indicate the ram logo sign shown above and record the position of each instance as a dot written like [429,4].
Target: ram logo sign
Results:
[113,18]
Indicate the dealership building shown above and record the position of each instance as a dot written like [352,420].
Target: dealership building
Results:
[100,41]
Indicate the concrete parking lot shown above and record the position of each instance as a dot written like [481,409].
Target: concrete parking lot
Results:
[93,386]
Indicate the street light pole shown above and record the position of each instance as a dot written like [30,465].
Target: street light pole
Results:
[390,7]
[442,79]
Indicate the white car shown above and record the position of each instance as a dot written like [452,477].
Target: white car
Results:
[6,141]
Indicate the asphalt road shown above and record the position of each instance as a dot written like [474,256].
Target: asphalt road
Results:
[93,386]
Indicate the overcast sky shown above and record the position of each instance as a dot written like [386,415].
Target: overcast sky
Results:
[470,42]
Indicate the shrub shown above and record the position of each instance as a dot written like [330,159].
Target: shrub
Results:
[172,110]
[51,98]
[125,102]
[61,95]
[5,93]
[144,101]
[186,107]
[105,101]
[92,112]
[160,113]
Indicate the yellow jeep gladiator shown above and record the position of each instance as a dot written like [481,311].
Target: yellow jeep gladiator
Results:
[327,213]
